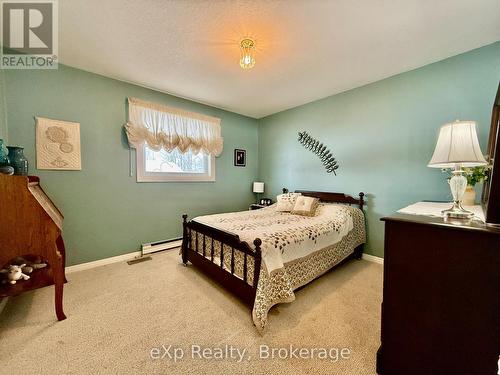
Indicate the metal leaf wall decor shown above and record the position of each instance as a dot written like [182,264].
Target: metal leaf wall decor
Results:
[319,149]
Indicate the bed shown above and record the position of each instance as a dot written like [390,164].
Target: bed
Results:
[263,256]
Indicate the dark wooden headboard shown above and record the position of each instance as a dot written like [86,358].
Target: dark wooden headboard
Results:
[325,196]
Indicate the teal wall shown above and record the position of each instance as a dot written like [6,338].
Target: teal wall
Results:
[382,135]
[106,212]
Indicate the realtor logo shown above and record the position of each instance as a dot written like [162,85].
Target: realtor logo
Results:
[29,34]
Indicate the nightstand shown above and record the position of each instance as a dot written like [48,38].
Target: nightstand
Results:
[256,206]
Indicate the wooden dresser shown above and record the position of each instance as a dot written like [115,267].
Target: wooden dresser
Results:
[30,227]
[441,298]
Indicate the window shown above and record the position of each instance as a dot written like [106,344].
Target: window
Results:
[194,140]
[157,166]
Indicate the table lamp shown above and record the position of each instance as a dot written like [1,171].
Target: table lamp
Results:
[457,146]
[258,187]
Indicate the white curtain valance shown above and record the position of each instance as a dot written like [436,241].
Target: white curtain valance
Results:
[164,127]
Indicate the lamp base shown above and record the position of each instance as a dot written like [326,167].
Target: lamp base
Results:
[258,198]
[458,212]
[458,184]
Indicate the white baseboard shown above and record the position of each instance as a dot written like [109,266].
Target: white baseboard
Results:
[373,258]
[103,262]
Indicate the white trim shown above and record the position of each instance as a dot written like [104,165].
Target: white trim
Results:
[373,258]
[106,261]
[103,262]
[143,176]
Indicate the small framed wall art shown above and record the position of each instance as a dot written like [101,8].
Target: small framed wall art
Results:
[240,158]
[58,145]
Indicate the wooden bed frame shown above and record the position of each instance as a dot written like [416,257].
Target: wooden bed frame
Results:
[241,287]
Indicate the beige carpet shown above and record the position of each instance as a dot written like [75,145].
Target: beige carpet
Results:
[118,313]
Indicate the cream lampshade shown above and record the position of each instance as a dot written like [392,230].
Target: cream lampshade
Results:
[258,187]
[457,146]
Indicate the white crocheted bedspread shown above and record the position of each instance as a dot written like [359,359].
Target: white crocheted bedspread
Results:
[286,237]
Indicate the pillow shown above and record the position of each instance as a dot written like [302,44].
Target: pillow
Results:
[305,206]
[285,202]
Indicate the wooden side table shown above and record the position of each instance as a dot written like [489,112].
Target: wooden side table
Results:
[30,226]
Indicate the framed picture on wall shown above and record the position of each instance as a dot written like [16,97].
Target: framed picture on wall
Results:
[58,145]
[240,158]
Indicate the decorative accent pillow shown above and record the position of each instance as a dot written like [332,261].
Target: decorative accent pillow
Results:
[286,202]
[305,206]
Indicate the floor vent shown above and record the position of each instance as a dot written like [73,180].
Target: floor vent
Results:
[138,260]
[153,247]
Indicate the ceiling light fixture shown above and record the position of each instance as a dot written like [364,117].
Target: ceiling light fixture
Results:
[247,60]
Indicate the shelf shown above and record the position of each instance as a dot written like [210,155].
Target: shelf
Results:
[38,279]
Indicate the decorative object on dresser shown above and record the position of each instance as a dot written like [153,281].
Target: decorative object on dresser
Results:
[5,168]
[491,188]
[18,161]
[258,188]
[232,253]
[457,147]
[30,227]
[58,145]
[441,300]
[4,154]
[240,158]
[319,149]
[474,175]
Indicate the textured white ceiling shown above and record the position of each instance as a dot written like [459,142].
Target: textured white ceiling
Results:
[306,50]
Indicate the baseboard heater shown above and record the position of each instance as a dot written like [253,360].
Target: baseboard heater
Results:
[153,247]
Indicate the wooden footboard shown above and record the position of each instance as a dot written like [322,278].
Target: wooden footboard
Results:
[199,248]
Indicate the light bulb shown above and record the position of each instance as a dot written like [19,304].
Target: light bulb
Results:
[247,60]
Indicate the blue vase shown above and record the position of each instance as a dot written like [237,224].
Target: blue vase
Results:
[4,158]
[18,161]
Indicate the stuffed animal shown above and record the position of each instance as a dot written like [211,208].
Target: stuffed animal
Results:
[33,266]
[15,273]
[28,267]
